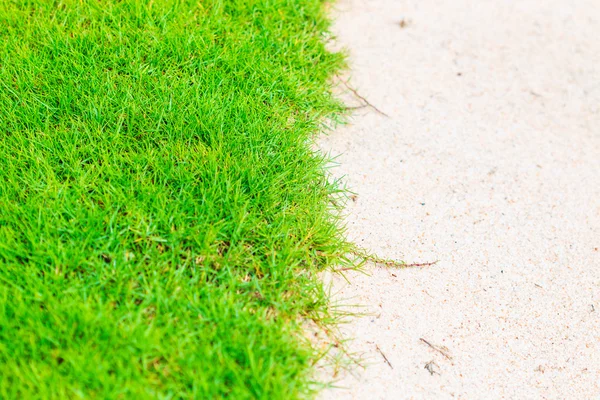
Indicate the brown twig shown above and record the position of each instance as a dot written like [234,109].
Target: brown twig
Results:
[365,257]
[442,352]
[363,99]
[384,357]
[421,264]
[389,263]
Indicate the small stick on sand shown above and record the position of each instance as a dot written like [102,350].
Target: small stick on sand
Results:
[363,99]
[421,264]
[356,107]
[384,357]
[388,263]
[442,352]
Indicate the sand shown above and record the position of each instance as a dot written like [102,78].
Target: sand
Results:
[489,162]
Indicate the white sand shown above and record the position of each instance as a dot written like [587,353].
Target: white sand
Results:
[489,162]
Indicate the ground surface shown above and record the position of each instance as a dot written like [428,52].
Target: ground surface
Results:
[490,163]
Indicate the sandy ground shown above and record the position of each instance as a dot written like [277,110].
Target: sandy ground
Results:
[489,162]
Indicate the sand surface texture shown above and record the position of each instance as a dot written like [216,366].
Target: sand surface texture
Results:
[489,162]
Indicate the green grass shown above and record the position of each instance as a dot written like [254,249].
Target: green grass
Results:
[162,214]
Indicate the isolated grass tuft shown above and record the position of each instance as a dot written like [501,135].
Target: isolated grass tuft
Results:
[162,213]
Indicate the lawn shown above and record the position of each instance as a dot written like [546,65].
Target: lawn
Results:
[162,212]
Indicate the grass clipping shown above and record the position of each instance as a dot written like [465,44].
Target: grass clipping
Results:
[162,213]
